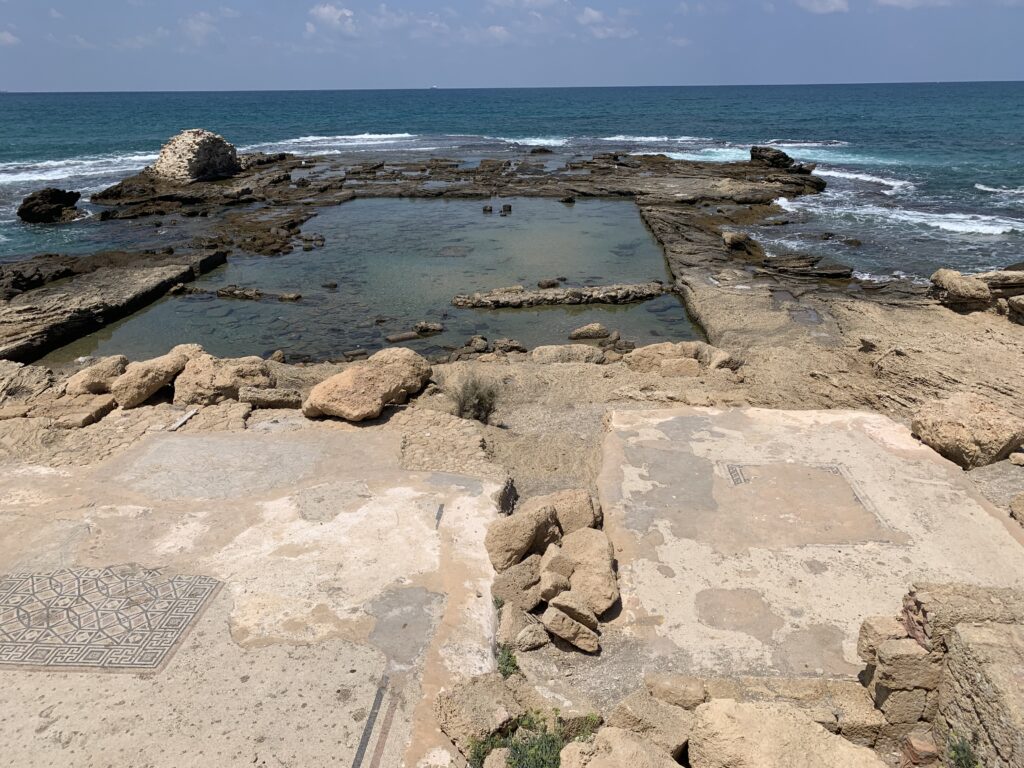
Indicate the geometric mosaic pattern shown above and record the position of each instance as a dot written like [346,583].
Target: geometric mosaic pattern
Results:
[120,618]
[738,476]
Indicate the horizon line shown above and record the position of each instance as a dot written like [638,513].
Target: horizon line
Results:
[515,87]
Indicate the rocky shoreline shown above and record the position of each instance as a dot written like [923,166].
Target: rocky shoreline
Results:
[791,334]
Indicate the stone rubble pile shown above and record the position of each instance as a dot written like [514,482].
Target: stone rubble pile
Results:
[555,572]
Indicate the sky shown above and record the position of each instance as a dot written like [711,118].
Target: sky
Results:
[131,45]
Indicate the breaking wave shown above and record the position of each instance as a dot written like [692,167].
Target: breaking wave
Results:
[55,170]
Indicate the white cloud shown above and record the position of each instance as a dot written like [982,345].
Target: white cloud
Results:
[138,42]
[199,27]
[913,3]
[824,6]
[335,17]
[603,28]
[6,38]
[53,13]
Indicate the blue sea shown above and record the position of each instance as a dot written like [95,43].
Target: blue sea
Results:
[922,175]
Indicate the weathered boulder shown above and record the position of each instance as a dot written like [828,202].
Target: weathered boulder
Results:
[363,390]
[567,353]
[729,734]
[590,331]
[615,748]
[208,380]
[593,577]
[511,622]
[552,584]
[196,155]
[141,380]
[574,509]
[576,607]
[968,429]
[666,725]
[471,711]
[960,291]
[518,587]
[97,378]
[532,637]
[776,158]
[570,630]
[511,538]
[553,561]
[678,690]
[49,206]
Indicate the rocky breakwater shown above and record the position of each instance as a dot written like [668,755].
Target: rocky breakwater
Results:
[517,296]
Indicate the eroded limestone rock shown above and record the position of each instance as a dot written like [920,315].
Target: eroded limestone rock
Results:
[141,380]
[969,429]
[593,578]
[729,734]
[473,710]
[615,748]
[666,725]
[363,390]
[510,538]
[98,377]
[208,380]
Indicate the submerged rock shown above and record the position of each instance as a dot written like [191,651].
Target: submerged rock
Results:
[49,206]
[197,155]
[590,331]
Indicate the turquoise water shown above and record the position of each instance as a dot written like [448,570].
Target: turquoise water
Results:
[396,262]
[924,175]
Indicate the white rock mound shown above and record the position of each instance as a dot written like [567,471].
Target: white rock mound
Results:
[196,155]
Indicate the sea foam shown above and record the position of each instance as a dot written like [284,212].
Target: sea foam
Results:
[75,167]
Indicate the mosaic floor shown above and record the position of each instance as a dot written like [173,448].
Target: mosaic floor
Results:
[118,618]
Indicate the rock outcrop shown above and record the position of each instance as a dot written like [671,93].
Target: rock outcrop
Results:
[363,390]
[49,206]
[968,429]
[730,734]
[196,155]
[961,292]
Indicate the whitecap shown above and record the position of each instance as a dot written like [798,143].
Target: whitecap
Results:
[638,139]
[999,190]
[895,186]
[955,223]
[89,165]
[709,155]
[533,141]
[807,144]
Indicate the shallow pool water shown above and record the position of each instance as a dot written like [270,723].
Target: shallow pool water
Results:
[400,261]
